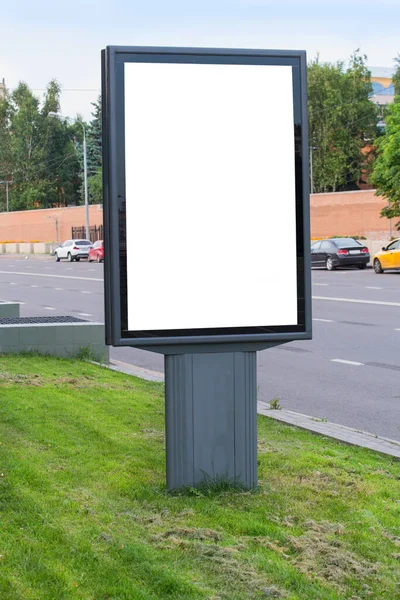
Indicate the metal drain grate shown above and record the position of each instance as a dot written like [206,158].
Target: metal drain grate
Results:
[38,320]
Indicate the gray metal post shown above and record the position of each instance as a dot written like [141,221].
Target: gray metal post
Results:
[211,417]
[85,184]
[7,206]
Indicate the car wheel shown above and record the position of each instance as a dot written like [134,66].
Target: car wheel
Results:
[57,257]
[77,259]
[98,258]
[377,266]
[362,266]
[329,264]
[69,257]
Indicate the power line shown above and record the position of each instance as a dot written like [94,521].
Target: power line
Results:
[45,165]
[69,90]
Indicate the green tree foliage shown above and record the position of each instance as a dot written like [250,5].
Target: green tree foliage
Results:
[94,156]
[396,76]
[342,120]
[37,152]
[386,173]
[5,149]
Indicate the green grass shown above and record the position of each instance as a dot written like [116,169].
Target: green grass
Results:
[84,513]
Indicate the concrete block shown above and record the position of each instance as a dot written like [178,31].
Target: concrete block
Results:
[55,338]
[12,248]
[9,310]
[45,334]
[39,248]
[9,336]
[87,333]
[26,248]
[28,335]
[64,334]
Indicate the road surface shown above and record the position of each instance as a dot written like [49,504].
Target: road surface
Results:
[348,374]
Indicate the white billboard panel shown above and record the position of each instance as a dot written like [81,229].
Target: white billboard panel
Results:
[210,196]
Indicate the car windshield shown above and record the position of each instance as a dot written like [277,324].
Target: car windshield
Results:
[346,242]
[83,243]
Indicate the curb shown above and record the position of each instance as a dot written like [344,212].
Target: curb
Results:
[354,437]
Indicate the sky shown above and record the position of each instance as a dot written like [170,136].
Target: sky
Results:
[42,40]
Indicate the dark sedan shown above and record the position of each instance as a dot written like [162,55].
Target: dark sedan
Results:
[339,252]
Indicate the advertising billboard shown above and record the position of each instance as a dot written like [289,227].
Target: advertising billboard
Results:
[206,206]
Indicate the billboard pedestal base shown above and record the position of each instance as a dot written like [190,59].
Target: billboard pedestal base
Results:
[211,418]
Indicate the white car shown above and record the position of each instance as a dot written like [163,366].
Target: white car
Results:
[73,250]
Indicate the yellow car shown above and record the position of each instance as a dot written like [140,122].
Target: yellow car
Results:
[388,258]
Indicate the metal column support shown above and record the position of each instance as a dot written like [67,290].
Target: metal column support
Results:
[211,417]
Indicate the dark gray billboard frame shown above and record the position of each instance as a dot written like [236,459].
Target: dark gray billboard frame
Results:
[210,376]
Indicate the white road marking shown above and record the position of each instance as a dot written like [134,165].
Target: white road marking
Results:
[84,292]
[320,284]
[49,307]
[347,362]
[48,275]
[356,301]
[324,320]
[34,286]
[59,289]
[372,287]
[12,283]
[397,329]
[85,314]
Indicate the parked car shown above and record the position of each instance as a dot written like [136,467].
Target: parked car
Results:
[97,252]
[388,258]
[339,252]
[73,250]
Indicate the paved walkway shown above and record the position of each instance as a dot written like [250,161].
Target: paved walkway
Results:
[333,430]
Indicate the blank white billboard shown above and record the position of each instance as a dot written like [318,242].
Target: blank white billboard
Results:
[210,196]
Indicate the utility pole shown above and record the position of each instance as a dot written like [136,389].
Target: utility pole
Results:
[86,184]
[55,115]
[311,172]
[6,182]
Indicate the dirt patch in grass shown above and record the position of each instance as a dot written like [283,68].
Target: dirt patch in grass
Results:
[320,553]
[227,563]
[8,378]
[193,533]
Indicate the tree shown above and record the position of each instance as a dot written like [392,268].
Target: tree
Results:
[396,76]
[341,120]
[94,156]
[5,148]
[36,151]
[386,173]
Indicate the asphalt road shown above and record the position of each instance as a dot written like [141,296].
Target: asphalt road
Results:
[348,374]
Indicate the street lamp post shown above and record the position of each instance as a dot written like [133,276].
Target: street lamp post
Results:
[6,182]
[55,115]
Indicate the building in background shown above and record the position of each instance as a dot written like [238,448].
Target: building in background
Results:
[383,89]
[2,88]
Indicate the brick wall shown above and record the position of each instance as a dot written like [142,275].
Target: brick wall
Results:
[342,213]
[40,225]
[349,213]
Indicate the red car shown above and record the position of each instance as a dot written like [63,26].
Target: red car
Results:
[97,252]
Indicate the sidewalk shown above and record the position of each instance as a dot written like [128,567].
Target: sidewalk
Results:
[354,437]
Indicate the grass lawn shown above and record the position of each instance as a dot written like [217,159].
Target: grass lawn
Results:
[84,513]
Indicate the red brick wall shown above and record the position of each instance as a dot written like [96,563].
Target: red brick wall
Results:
[343,213]
[35,225]
[349,213]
